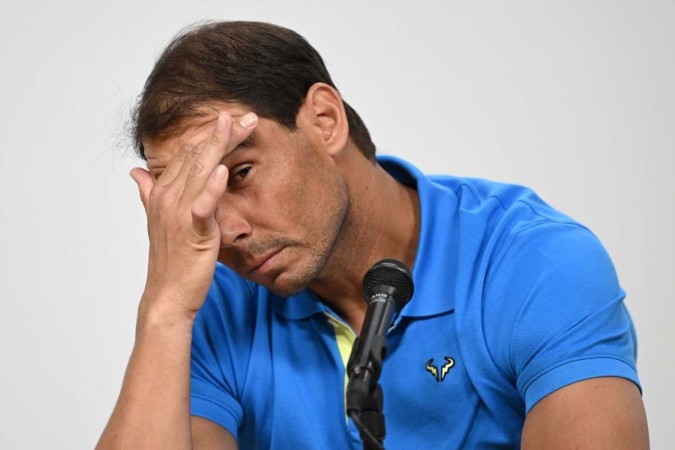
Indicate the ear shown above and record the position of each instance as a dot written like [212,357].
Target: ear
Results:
[322,115]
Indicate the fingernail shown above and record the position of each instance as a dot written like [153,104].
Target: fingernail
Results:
[248,120]
[219,175]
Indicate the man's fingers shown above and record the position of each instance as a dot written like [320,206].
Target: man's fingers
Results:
[144,182]
[187,158]
[193,177]
[227,135]
[188,161]
[241,128]
[204,206]
[175,166]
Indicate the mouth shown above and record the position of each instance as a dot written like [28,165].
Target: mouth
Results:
[264,264]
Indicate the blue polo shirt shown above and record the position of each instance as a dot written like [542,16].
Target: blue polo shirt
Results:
[513,300]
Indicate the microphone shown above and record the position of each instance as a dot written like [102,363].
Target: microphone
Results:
[387,288]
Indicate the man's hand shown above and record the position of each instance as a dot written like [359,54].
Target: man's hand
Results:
[180,206]
[153,410]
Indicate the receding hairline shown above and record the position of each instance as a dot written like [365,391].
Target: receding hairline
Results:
[201,111]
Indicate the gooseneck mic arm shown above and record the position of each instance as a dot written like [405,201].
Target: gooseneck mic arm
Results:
[387,288]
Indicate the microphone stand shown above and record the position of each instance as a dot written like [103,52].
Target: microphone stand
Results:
[364,394]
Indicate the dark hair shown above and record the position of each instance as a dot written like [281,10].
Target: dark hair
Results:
[262,66]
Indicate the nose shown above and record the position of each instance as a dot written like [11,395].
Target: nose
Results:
[232,224]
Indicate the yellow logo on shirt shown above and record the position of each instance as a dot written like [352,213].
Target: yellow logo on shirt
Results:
[433,370]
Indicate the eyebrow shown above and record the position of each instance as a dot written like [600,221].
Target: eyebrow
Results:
[244,145]
[247,143]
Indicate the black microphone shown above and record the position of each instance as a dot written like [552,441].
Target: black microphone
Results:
[387,287]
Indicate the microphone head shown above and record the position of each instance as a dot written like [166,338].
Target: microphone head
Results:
[391,273]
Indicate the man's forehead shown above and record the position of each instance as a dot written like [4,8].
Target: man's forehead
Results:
[159,151]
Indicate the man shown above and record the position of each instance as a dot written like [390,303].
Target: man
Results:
[516,334]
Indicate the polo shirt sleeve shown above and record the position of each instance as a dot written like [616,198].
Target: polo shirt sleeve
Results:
[556,312]
[219,333]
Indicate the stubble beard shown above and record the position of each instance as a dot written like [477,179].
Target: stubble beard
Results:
[292,282]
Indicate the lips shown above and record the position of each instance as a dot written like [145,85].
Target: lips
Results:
[262,261]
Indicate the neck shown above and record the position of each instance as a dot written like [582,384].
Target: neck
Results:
[382,222]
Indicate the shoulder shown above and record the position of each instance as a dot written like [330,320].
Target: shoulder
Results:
[544,308]
[554,313]
[556,257]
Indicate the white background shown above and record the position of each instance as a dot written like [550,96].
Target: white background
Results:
[573,98]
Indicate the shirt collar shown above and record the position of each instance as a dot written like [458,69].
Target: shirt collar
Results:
[434,270]
[299,306]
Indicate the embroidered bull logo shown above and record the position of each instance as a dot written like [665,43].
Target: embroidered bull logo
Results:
[433,370]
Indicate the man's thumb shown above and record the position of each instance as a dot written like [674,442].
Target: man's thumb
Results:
[144,182]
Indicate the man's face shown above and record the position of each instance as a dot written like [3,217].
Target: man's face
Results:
[284,207]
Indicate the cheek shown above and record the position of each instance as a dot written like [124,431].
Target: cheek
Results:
[273,203]
[324,206]
[298,195]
